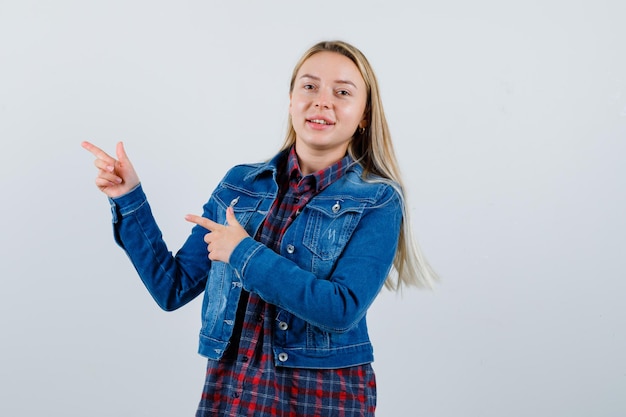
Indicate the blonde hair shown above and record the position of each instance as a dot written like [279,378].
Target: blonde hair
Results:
[372,148]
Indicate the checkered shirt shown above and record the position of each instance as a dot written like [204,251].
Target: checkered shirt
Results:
[246,382]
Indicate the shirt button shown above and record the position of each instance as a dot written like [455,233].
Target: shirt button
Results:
[283,326]
[235,395]
[290,249]
[244,359]
[259,318]
[283,357]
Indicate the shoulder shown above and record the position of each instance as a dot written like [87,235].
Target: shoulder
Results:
[374,189]
[250,172]
[243,170]
[254,180]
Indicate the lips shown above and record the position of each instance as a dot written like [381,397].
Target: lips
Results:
[320,121]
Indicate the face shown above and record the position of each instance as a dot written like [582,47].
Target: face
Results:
[327,104]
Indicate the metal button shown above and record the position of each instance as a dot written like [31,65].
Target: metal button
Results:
[283,357]
[234,201]
[336,207]
[290,248]
[283,326]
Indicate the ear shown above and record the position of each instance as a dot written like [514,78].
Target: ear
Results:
[365,121]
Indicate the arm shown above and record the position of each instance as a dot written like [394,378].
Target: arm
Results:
[335,304]
[172,281]
[342,301]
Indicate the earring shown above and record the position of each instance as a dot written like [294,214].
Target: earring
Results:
[361,130]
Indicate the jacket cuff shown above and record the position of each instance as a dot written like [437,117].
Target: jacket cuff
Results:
[127,203]
[242,253]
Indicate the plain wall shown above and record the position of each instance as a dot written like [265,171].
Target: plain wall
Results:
[509,120]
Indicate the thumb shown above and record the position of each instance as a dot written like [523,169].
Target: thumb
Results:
[121,152]
[230,217]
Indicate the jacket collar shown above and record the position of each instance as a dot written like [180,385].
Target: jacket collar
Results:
[272,165]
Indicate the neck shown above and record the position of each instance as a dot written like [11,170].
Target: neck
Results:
[311,160]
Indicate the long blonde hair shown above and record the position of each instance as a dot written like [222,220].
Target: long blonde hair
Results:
[372,148]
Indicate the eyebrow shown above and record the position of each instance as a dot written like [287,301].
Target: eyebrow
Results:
[337,81]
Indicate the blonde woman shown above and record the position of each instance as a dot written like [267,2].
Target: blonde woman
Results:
[290,253]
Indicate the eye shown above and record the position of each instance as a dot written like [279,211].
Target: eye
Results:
[308,86]
[343,93]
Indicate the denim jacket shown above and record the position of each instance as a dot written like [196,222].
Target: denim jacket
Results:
[333,261]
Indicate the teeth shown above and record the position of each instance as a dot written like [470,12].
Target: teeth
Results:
[319,121]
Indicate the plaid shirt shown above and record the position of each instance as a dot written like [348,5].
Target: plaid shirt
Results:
[246,382]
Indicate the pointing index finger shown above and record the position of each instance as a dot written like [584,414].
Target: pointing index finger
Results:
[208,224]
[97,152]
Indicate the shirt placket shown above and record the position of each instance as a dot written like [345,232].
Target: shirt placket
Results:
[248,352]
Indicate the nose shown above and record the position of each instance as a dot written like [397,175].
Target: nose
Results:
[323,100]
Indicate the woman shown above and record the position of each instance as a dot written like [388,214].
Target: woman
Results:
[290,253]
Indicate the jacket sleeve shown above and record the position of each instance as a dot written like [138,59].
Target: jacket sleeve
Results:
[339,303]
[172,280]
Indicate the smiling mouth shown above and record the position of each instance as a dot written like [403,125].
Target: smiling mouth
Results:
[320,122]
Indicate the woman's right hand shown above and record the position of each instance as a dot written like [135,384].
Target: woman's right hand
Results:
[115,176]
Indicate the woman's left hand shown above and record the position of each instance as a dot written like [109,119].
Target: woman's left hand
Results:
[221,239]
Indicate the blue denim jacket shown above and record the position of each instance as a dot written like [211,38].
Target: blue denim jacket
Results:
[333,261]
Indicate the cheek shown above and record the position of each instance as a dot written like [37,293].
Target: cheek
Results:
[354,115]
[293,113]
[296,107]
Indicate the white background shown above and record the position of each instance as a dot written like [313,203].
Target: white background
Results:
[509,119]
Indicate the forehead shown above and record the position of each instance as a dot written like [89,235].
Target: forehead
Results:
[331,66]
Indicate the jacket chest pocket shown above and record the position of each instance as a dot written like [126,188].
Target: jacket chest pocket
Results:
[243,203]
[330,225]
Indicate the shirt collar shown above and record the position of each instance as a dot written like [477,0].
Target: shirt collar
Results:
[322,178]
